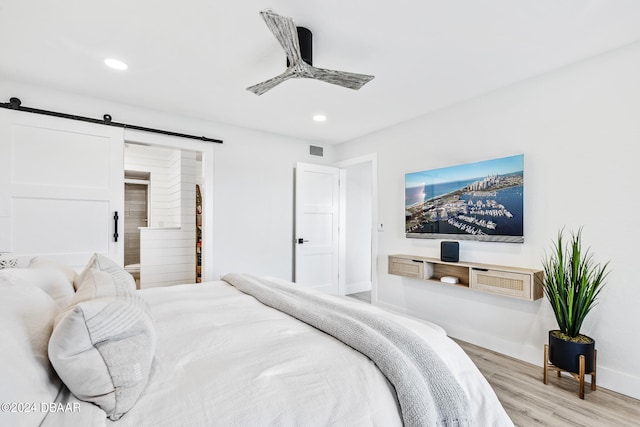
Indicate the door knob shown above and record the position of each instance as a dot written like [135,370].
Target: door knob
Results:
[301,241]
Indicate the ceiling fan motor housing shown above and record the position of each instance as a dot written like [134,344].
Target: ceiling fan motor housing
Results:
[305,39]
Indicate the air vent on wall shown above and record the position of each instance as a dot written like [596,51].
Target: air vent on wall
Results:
[314,150]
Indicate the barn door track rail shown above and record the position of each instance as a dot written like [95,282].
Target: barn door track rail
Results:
[16,104]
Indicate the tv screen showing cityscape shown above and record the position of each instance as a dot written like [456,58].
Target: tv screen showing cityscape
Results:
[474,201]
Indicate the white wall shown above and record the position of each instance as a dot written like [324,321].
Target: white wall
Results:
[254,210]
[174,189]
[579,129]
[252,192]
[357,228]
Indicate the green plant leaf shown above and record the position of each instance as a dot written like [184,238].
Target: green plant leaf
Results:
[573,281]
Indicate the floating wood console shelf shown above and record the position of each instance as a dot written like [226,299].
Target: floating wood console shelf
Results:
[517,282]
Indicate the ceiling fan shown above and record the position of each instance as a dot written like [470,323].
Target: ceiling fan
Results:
[299,61]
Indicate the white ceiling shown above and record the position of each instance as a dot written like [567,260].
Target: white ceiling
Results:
[196,58]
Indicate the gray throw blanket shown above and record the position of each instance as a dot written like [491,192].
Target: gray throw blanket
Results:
[428,393]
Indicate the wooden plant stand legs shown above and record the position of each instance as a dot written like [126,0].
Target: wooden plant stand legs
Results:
[579,376]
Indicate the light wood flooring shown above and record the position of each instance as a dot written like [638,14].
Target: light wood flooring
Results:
[529,402]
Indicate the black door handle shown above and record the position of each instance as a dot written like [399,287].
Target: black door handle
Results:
[115,226]
[301,241]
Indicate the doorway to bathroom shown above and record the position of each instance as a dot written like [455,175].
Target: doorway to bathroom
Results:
[136,217]
[164,223]
[173,241]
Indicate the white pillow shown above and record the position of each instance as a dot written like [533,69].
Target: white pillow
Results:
[107,265]
[51,280]
[26,376]
[92,287]
[103,344]
[42,262]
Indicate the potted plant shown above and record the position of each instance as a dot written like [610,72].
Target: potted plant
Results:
[572,283]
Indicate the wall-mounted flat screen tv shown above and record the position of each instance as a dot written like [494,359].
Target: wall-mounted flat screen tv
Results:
[474,201]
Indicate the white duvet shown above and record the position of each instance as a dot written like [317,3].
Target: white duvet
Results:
[225,359]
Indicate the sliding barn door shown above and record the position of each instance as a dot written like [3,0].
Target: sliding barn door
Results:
[61,182]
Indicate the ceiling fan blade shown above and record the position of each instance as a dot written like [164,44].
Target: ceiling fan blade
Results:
[284,30]
[341,78]
[266,85]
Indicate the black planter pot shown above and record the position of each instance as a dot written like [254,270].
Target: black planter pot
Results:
[565,354]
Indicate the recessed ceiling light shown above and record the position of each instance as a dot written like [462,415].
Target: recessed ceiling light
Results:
[319,118]
[116,64]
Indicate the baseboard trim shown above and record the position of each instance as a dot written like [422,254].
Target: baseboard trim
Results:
[354,288]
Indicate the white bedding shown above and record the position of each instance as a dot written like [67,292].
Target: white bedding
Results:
[225,359]
[222,358]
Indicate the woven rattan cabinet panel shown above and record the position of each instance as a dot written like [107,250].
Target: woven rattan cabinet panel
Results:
[502,282]
[406,267]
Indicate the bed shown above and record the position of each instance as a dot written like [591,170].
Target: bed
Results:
[90,350]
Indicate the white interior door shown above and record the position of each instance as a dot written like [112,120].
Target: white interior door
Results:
[61,181]
[317,221]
